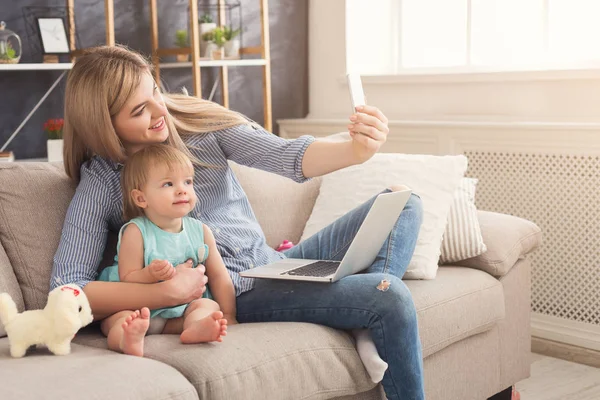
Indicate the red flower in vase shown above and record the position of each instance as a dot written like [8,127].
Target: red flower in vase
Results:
[54,128]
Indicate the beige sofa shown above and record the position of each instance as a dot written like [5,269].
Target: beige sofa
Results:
[473,318]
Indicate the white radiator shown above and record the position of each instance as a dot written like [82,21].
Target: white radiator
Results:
[561,194]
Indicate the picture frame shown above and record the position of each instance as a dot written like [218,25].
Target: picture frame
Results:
[53,35]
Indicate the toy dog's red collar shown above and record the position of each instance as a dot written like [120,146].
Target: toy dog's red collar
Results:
[75,291]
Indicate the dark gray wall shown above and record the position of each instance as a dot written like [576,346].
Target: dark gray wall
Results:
[20,90]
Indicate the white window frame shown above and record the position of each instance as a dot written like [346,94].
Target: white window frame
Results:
[470,73]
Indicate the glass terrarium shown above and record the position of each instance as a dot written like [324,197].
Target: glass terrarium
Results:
[10,45]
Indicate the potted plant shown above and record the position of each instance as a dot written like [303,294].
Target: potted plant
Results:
[209,46]
[206,25]
[215,40]
[54,129]
[181,40]
[219,41]
[232,44]
[8,55]
[10,45]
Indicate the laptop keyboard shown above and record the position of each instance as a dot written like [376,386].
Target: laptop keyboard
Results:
[318,268]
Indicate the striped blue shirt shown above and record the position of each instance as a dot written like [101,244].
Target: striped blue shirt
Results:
[97,205]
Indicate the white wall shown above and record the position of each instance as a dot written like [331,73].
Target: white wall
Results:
[327,58]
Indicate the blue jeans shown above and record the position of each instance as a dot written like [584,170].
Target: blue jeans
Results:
[355,302]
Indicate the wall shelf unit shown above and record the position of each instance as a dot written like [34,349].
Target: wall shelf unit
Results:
[110,40]
[194,50]
[196,62]
[217,63]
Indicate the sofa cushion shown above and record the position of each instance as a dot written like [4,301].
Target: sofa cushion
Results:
[462,237]
[458,303]
[433,178]
[280,359]
[281,205]
[8,284]
[88,373]
[33,202]
[507,238]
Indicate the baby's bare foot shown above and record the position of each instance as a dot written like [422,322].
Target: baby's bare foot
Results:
[134,330]
[209,329]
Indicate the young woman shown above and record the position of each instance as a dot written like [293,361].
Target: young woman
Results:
[113,108]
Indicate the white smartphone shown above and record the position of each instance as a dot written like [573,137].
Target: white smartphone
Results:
[357,96]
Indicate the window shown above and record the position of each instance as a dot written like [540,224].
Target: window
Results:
[431,34]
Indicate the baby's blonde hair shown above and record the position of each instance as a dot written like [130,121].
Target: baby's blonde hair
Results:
[99,85]
[137,170]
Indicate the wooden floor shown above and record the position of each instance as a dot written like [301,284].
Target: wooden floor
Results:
[554,379]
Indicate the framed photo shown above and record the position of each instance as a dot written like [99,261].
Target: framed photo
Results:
[53,35]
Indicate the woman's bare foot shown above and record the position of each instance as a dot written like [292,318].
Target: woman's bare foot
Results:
[209,329]
[134,330]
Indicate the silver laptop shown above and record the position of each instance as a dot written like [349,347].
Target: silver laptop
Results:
[369,239]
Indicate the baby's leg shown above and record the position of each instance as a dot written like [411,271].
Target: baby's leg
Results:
[126,330]
[203,322]
[367,351]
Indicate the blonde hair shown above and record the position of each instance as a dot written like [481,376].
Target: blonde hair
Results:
[99,85]
[137,170]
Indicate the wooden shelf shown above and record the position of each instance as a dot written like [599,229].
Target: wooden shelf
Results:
[64,67]
[264,51]
[35,66]
[217,63]
[31,160]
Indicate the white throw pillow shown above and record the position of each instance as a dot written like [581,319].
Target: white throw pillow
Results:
[433,178]
[462,238]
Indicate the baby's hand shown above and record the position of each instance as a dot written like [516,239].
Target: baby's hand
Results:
[161,270]
[188,264]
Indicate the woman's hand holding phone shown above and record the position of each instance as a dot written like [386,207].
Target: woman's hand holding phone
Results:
[368,126]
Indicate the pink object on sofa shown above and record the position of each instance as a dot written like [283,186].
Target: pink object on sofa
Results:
[285,245]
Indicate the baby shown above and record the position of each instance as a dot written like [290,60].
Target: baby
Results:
[158,193]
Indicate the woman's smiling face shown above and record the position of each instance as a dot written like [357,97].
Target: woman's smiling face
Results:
[141,121]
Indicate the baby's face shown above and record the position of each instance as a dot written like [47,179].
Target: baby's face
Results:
[170,192]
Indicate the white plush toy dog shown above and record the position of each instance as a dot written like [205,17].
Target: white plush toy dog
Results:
[67,311]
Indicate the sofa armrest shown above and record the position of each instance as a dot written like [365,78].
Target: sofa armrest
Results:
[507,239]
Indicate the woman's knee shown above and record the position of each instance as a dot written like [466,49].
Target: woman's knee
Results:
[415,206]
[414,201]
[399,301]
[398,188]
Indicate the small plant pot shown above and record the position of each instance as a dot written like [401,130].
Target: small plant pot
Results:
[50,58]
[210,47]
[55,149]
[203,28]
[183,57]
[9,60]
[206,27]
[232,48]
[218,54]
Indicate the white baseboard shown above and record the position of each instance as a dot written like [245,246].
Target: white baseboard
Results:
[565,331]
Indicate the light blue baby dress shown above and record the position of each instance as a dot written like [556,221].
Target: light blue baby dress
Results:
[162,245]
